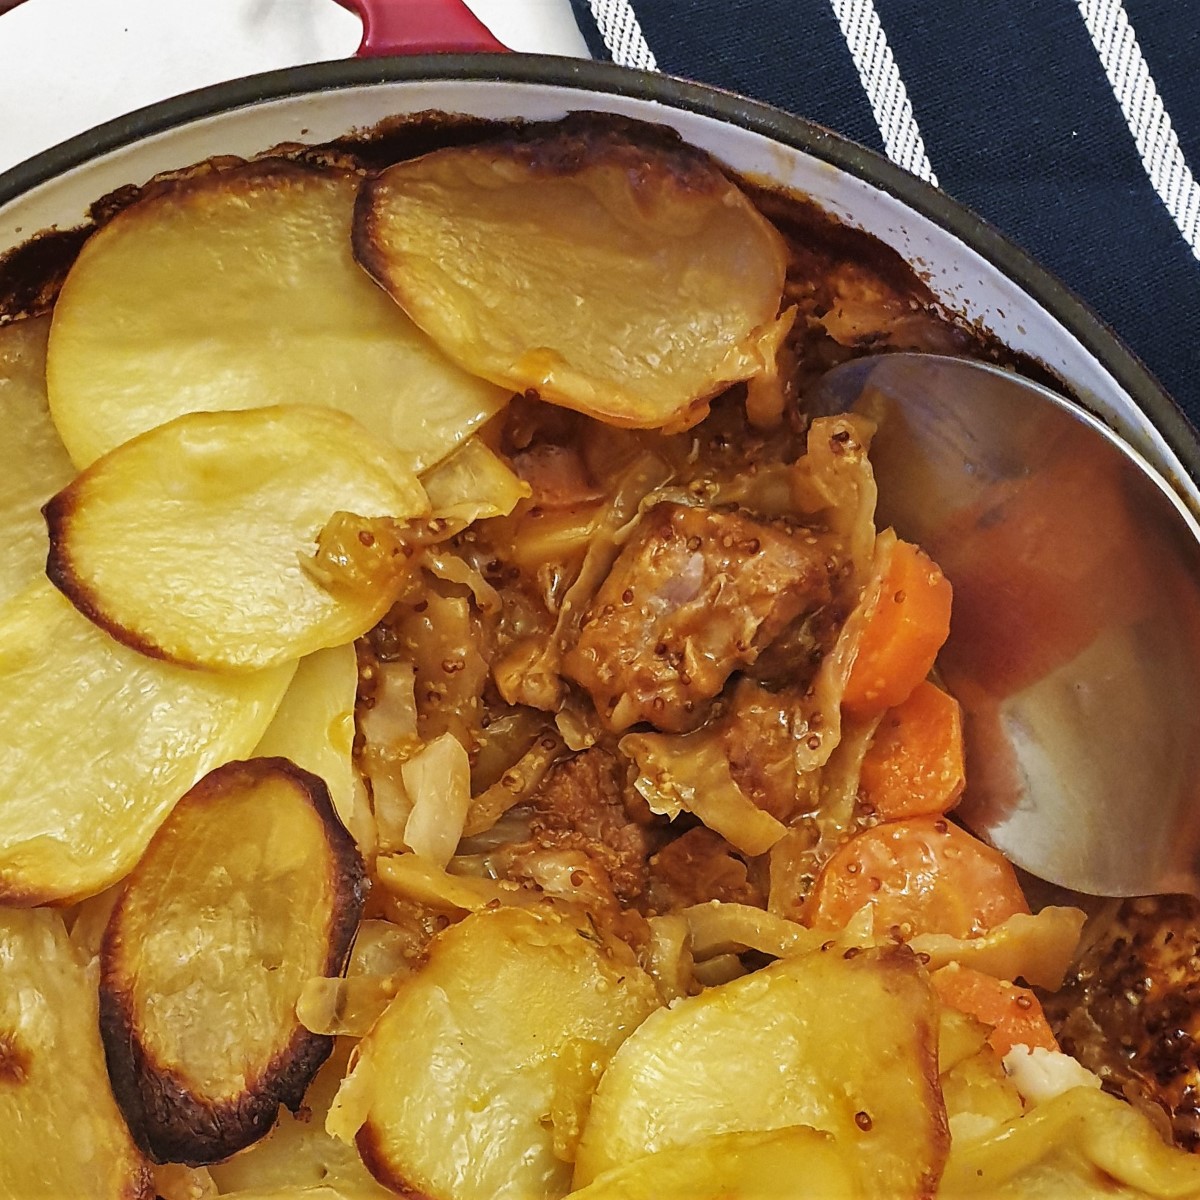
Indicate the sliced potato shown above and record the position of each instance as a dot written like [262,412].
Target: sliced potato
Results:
[486,1057]
[630,281]
[844,1041]
[36,465]
[63,1134]
[314,728]
[87,921]
[98,742]
[190,542]
[320,1191]
[781,1163]
[250,887]
[234,289]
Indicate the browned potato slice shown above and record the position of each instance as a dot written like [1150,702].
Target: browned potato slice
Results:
[845,1041]
[234,289]
[251,886]
[320,1191]
[781,1164]
[469,1087]
[189,543]
[98,742]
[63,1134]
[630,281]
[36,464]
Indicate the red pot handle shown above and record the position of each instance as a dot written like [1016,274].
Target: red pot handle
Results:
[421,27]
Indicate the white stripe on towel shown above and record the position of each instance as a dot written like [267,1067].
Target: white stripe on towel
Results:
[885,89]
[1145,114]
[622,34]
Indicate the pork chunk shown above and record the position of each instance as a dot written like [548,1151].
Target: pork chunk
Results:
[581,806]
[698,867]
[695,594]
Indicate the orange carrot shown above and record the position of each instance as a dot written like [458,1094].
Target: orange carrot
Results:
[902,634]
[1013,1012]
[914,765]
[924,875]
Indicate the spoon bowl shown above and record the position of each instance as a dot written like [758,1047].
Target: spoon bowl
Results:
[1074,643]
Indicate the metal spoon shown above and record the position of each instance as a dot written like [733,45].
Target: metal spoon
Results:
[1074,643]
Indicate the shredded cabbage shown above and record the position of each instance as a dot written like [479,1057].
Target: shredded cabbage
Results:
[438,780]
[690,772]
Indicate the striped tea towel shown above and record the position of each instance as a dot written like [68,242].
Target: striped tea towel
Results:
[1073,126]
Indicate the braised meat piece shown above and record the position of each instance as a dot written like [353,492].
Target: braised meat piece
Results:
[696,867]
[581,806]
[694,594]
[756,732]
[1130,1010]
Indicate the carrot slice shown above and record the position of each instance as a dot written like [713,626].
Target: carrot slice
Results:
[1014,1013]
[904,631]
[914,765]
[924,875]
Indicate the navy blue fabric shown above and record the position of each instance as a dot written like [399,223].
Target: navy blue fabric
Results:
[1019,123]
[1169,34]
[591,34]
[761,49]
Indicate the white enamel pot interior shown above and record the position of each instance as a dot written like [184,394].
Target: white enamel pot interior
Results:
[973,270]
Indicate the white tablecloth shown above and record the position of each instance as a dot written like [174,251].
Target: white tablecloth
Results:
[66,65]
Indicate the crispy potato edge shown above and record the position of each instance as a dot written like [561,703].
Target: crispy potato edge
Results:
[906,971]
[168,1122]
[60,570]
[375,1160]
[653,156]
